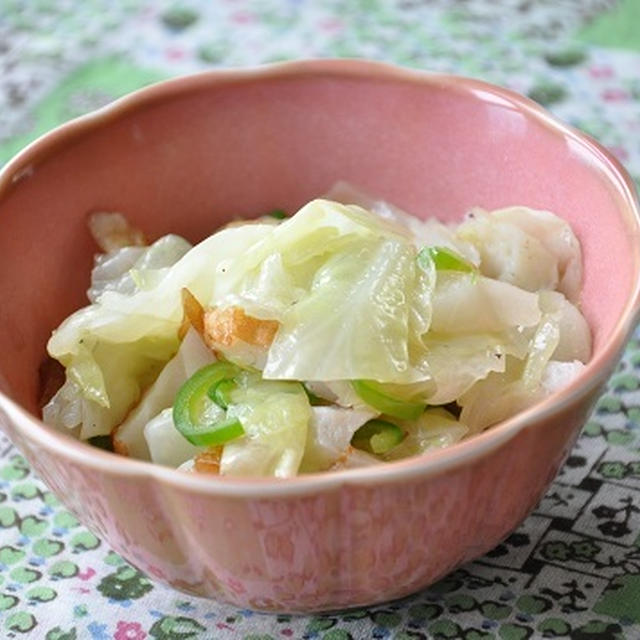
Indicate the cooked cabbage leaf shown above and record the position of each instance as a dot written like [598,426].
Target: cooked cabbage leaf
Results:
[465,303]
[344,286]
[436,428]
[329,435]
[354,322]
[114,348]
[125,269]
[275,416]
[530,248]
[166,444]
[131,436]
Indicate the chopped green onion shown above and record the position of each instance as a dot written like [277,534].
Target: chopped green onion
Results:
[278,214]
[190,410]
[219,433]
[221,392]
[445,259]
[377,398]
[377,436]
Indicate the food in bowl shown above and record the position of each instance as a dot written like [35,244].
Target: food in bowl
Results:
[348,334]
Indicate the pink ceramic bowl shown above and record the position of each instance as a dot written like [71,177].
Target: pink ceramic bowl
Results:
[186,155]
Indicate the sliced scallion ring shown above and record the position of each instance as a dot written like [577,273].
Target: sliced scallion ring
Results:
[377,436]
[377,398]
[191,409]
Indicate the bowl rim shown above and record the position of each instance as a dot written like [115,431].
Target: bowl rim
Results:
[595,373]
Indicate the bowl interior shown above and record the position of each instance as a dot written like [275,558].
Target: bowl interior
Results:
[186,156]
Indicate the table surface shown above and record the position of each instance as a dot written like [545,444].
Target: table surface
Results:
[572,570]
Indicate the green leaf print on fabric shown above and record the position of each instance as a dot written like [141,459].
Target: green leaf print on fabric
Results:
[33,526]
[386,619]
[616,28]
[320,623]
[554,628]
[16,469]
[444,629]
[547,93]
[515,632]
[337,634]
[24,575]
[10,555]
[621,598]
[59,634]
[20,622]
[126,583]
[63,569]
[8,517]
[179,17]
[41,594]
[8,601]
[533,604]
[65,520]
[175,628]
[26,491]
[84,541]
[598,630]
[47,548]
[566,57]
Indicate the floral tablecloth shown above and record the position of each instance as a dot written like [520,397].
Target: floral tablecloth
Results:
[572,570]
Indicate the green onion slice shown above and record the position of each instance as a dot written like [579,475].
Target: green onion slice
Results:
[445,259]
[278,214]
[191,410]
[377,398]
[377,436]
[221,392]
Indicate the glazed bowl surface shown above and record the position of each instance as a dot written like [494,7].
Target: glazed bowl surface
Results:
[187,155]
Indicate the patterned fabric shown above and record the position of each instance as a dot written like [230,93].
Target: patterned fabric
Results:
[572,570]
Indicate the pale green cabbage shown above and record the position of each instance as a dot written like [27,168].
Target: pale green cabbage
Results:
[436,428]
[275,416]
[132,434]
[346,290]
[114,348]
[352,301]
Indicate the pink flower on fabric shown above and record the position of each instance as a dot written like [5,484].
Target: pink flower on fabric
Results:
[129,631]
[601,71]
[615,95]
[87,574]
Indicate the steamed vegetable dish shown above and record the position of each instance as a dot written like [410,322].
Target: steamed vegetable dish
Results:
[348,334]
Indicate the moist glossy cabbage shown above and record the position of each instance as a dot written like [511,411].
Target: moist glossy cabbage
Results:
[329,436]
[352,301]
[132,435]
[529,248]
[346,291]
[275,416]
[166,444]
[436,428]
[114,348]
[125,269]
[424,233]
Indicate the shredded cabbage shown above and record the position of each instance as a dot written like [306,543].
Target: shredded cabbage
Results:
[312,309]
